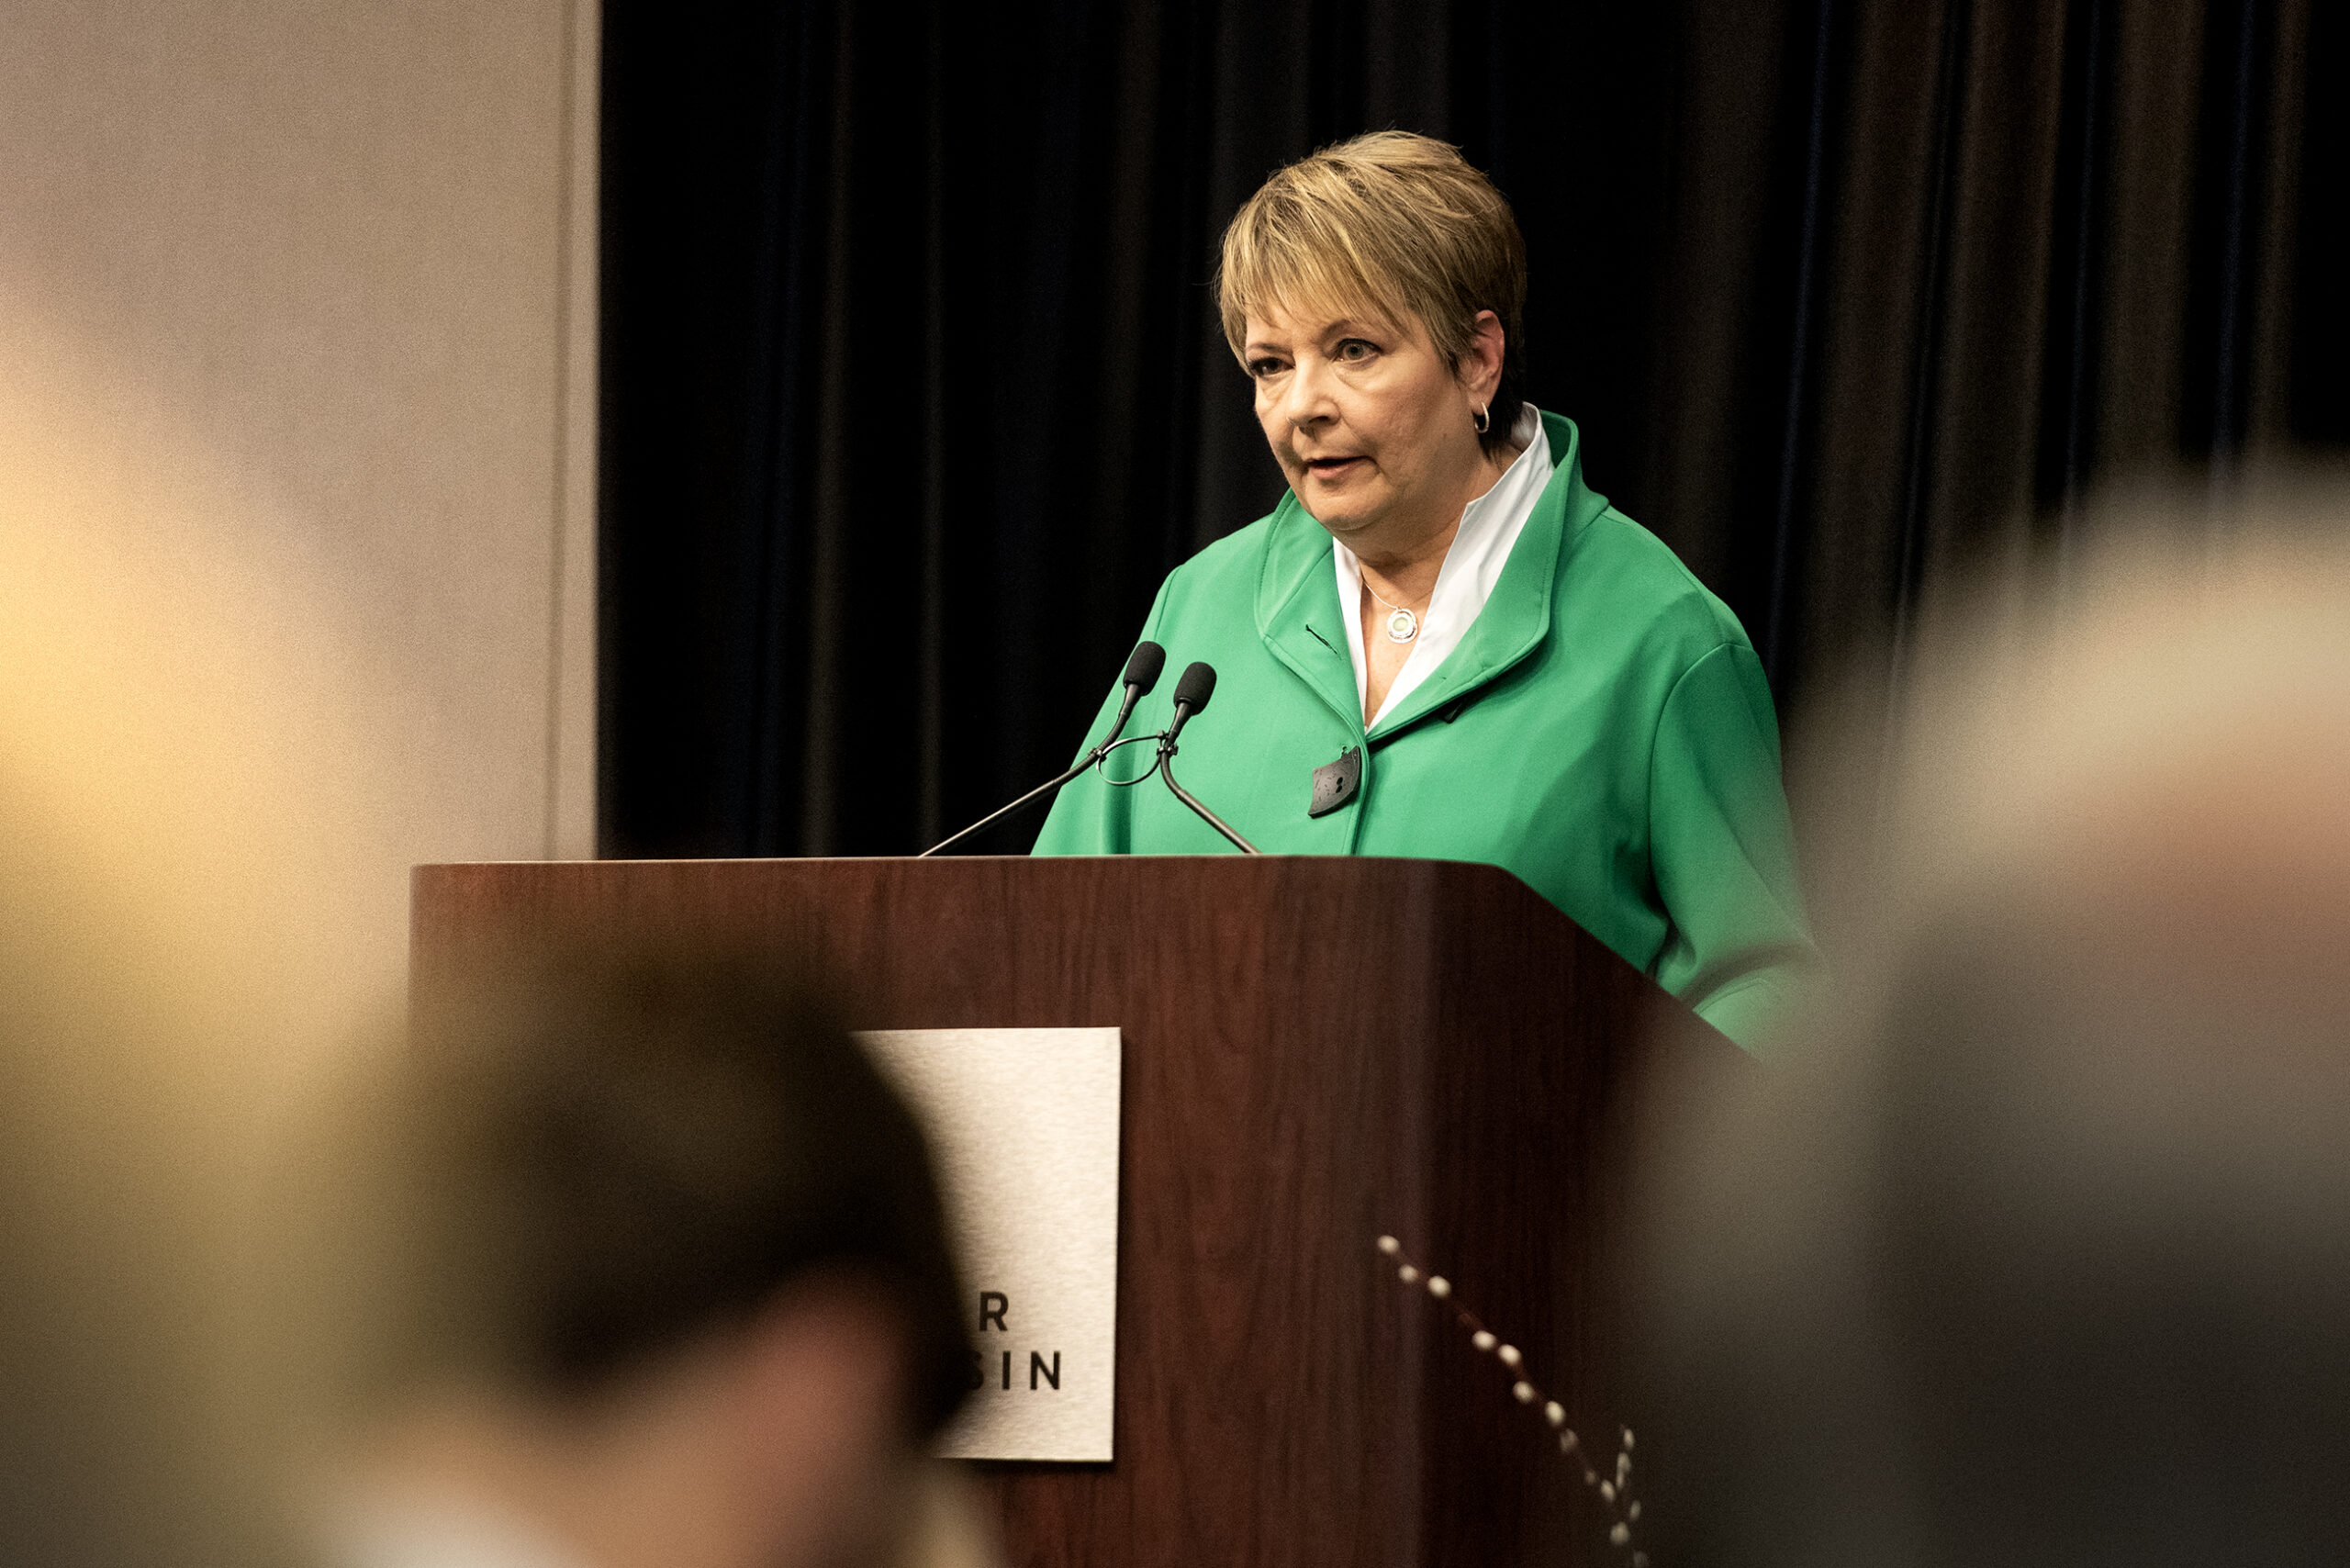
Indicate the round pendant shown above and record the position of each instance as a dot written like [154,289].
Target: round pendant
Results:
[1402,626]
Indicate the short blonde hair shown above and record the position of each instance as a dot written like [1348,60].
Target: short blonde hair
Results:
[1394,221]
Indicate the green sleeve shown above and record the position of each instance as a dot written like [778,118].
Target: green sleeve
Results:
[1090,818]
[1722,851]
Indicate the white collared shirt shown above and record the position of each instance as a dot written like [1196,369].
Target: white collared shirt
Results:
[399,1527]
[1472,564]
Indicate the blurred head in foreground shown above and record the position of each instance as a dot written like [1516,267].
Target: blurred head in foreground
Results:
[661,1276]
[2037,1248]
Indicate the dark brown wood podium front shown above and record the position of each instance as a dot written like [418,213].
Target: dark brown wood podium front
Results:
[1317,1051]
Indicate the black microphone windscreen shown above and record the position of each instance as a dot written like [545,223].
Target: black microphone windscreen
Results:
[1142,670]
[1196,687]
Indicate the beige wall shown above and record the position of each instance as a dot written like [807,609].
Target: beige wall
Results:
[296,412]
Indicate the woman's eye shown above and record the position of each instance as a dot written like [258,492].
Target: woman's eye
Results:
[1263,367]
[1354,349]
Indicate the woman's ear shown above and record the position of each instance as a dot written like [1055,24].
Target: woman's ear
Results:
[1481,367]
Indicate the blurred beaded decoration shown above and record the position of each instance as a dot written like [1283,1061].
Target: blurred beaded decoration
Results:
[1615,1490]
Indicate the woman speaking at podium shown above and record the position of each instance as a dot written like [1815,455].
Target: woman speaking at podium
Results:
[1442,643]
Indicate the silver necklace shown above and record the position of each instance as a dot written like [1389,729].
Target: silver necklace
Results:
[1402,624]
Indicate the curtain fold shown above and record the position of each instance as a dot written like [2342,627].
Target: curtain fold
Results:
[914,388]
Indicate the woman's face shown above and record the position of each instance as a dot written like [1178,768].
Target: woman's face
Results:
[1373,428]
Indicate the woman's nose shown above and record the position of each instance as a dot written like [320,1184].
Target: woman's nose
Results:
[1309,397]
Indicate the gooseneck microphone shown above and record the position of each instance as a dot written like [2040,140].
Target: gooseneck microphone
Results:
[1142,668]
[1192,694]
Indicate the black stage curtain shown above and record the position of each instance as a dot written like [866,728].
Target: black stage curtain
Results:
[913,389]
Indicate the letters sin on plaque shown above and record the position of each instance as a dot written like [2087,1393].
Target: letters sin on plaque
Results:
[1024,1124]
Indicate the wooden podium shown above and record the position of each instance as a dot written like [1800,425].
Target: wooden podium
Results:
[1317,1051]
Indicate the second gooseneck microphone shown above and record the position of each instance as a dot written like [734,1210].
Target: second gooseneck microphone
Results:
[1192,694]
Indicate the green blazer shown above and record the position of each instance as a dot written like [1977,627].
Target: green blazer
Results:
[1604,731]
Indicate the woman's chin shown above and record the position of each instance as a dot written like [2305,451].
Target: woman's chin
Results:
[1332,512]
[1341,507]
